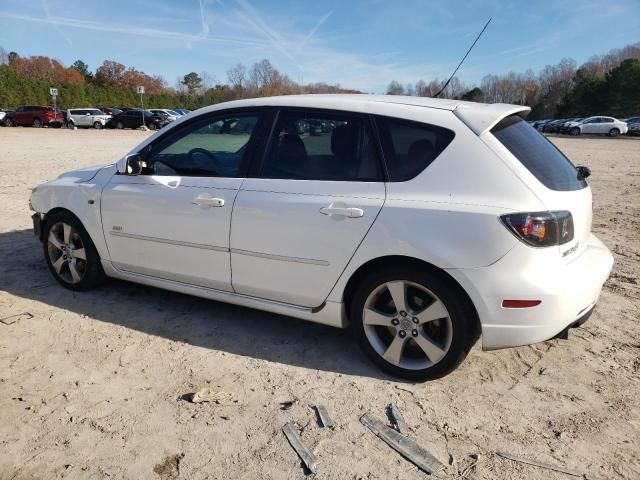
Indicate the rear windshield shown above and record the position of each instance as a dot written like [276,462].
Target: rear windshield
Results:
[538,154]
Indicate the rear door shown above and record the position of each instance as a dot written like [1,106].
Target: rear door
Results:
[299,220]
[591,126]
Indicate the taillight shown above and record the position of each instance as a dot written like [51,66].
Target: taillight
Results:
[540,229]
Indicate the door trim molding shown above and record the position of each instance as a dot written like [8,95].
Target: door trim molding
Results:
[282,258]
[168,241]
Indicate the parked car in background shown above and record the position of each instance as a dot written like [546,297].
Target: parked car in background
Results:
[566,125]
[171,114]
[598,125]
[181,111]
[537,124]
[4,114]
[365,224]
[133,119]
[86,117]
[634,125]
[553,126]
[34,116]
[109,110]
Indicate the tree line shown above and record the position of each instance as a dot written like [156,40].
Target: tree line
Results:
[26,81]
[605,84]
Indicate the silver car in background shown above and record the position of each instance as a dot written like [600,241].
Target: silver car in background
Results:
[87,118]
[598,125]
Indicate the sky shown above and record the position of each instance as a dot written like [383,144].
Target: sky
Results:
[360,44]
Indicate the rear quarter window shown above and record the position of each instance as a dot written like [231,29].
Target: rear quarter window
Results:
[541,157]
[410,147]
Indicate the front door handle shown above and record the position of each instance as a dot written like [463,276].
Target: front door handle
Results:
[349,212]
[207,201]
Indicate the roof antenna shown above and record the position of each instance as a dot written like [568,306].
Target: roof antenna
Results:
[463,58]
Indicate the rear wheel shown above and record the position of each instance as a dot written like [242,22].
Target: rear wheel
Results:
[9,123]
[37,123]
[119,125]
[70,125]
[411,323]
[614,132]
[152,126]
[71,256]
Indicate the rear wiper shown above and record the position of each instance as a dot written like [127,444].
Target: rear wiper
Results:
[583,172]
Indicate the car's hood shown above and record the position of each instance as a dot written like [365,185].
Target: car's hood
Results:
[82,174]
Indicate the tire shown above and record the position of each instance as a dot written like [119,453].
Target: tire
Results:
[119,125]
[97,125]
[70,125]
[152,126]
[37,123]
[575,131]
[614,132]
[9,123]
[64,238]
[445,328]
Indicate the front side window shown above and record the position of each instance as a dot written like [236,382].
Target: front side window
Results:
[210,148]
[322,146]
[538,154]
[410,147]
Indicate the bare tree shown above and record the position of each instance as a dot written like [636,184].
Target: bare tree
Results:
[395,88]
[237,76]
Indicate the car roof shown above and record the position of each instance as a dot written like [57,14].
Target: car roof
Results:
[480,117]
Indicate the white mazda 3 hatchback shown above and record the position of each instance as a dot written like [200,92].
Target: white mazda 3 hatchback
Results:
[421,223]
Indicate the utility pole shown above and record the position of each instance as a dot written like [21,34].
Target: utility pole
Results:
[140,90]
[54,95]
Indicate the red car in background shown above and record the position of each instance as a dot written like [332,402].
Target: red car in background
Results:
[34,116]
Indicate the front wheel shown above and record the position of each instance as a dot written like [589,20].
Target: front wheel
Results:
[9,123]
[152,126]
[575,131]
[97,125]
[411,323]
[614,132]
[37,123]
[70,254]
[119,125]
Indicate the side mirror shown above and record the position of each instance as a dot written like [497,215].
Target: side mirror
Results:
[131,165]
[583,172]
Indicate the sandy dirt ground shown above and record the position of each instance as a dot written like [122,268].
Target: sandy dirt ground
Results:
[92,384]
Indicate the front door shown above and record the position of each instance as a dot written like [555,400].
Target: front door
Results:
[173,221]
[317,192]
[591,126]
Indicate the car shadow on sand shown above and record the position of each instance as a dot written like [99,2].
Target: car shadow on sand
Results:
[199,322]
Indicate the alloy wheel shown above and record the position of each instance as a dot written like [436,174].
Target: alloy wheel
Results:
[407,325]
[67,253]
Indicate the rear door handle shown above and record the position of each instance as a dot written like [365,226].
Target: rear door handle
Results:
[207,201]
[349,212]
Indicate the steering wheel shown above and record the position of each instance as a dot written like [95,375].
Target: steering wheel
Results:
[209,155]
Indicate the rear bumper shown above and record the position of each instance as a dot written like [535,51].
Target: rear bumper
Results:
[568,292]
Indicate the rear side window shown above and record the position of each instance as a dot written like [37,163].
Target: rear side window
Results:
[322,146]
[538,154]
[410,147]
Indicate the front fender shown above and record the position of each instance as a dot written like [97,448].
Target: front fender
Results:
[80,197]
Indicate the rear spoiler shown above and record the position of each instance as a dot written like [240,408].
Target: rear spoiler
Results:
[483,117]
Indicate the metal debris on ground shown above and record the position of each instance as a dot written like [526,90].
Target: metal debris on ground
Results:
[323,414]
[397,419]
[288,404]
[307,457]
[216,396]
[405,446]
[540,464]
[11,319]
